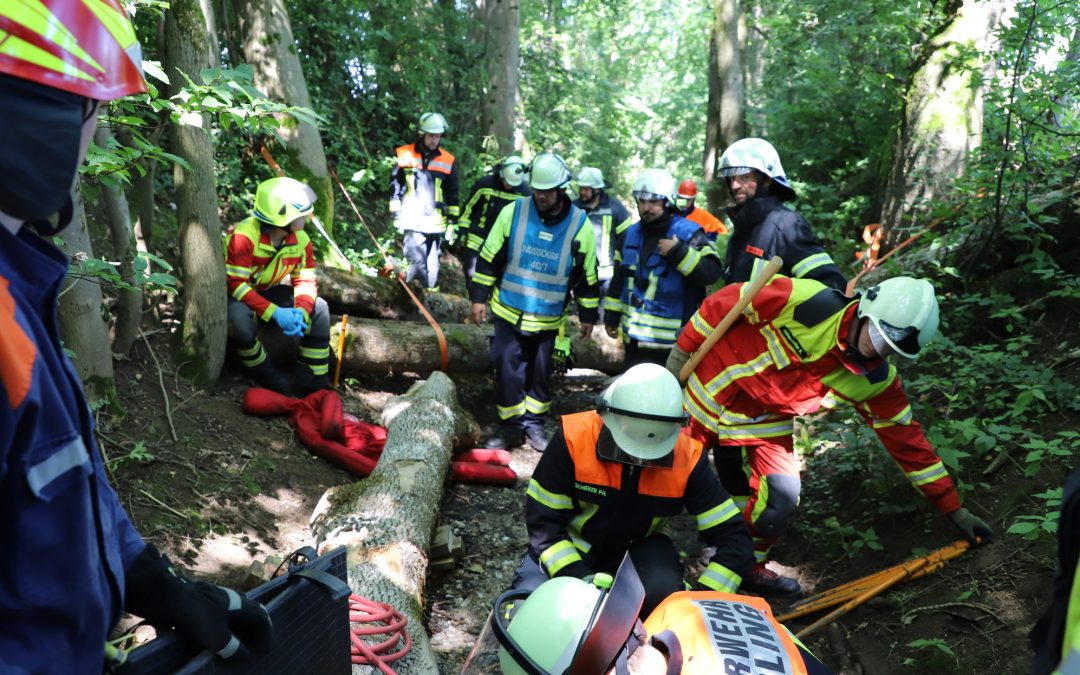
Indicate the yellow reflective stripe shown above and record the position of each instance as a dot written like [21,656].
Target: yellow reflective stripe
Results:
[928,475]
[552,500]
[654,282]
[613,304]
[750,431]
[738,371]
[506,413]
[719,578]
[474,242]
[724,512]
[658,524]
[38,19]
[577,526]
[253,356]
[558,556]
[700,324]
[903,418]
[856,387]
[238,271]
[776,350]
[454,210]
[314,353]
[810,263]
[322,368]
[589,303]
[689,261]
[483,279]
[538,407]
[240,291]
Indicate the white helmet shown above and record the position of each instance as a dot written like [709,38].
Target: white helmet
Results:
[643,409]
[512,170]
[655,184]
[549,625]
[591,177]
[432,123]
[759,155]
[903,313]
[547,172]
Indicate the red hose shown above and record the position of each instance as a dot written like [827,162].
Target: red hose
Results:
[385,620]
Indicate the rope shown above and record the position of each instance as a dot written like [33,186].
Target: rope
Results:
[384,620]
[388,269]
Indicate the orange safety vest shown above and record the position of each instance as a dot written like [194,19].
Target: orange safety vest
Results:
[408,159]
[724,633]
[708,222]
[582,430]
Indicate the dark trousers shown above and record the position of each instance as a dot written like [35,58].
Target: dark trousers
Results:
[244,325]
[422,251]
[654,558]
[634,354]
[522,375]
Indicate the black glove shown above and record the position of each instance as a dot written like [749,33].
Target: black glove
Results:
[562,356]
[210,617]
[974,528]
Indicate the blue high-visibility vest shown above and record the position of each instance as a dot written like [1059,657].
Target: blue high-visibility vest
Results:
[537,274]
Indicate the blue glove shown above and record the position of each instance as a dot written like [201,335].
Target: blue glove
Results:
[290,320]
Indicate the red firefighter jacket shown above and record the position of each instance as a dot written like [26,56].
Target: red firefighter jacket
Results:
[252,264]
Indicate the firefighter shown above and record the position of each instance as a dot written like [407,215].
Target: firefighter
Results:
[424,199]
[260,252]
[799,347]
[74,561]
[569,625]
[538,253]
[1056,636]
[610,480]
[506,183]
[609,219]
[763,226]
[662,270]
[685,199]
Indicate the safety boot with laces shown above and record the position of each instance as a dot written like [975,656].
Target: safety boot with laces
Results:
[769,584]
[505,438]
[538,438]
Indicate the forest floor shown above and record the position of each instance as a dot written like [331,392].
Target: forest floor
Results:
[217,489]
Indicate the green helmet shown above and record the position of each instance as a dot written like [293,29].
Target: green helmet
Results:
[432,123]
[280,201]
[903,313]
[549,624]
[655,184]
[643,409]
[512,170]
[547,172]
[755,154]
[591,177]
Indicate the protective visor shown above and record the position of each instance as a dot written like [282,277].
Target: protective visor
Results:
[645,196]
[733,171]
[608,449]
[903,341]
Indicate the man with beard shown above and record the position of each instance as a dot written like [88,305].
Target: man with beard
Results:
[539,250]
[763,226]
[661,273]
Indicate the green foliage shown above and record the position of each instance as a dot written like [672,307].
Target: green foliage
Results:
[852,540]
[1044,523]
[138,454]
[932,644]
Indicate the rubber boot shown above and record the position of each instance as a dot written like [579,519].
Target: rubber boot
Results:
[537,437]
[766,583]
[269,377]
[505,438]
[306,382]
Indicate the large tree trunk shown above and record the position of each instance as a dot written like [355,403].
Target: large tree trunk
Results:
[188,49]
[129,301]
[371,297]
[726,107]
[943,117]
[501,20]
[270,49]
[386,520]
[81,325]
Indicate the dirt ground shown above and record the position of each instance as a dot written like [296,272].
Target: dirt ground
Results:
[230,489]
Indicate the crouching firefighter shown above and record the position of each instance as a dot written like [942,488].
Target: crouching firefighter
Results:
[571,626]
[608,483]
[260,251]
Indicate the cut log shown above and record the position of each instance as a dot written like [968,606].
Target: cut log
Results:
[387,519]
[359,295]
[383,346]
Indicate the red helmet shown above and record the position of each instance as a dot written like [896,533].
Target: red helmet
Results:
[86,47]
[687,189]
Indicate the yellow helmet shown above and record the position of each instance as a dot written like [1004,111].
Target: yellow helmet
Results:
[280,201]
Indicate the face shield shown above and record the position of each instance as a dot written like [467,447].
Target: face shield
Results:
[608,449]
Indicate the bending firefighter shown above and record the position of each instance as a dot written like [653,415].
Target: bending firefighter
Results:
[74,561]
[610,480]
[260,252]
[539,251]
[571,626]
[800,347]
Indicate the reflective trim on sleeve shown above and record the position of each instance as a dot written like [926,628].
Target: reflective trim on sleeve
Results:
[928,475]
[558,556]
[810,263]
[549,499]
[57,464]
[689,261]
[720,578]
[903,418]
[721,513]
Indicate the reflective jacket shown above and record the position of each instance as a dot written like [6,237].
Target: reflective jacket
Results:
[788,356]
[424,189]
[487,200]
[654,299]
[1056,636]
[252,264]
[712,225]
[610,220]
[67,538]
[579,504]
[724,633]
[534,264]
[764,227]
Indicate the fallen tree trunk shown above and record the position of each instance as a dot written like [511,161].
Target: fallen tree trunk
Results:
[383,346]
[387,519]
[359,295]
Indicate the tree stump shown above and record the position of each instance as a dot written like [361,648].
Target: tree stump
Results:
[387,519]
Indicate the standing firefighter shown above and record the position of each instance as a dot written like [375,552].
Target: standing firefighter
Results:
[424,199]
[539,251]
[74,561]
[800,347]
[763,226]
[661,273]
[260,252]
[609,218]
[610,480]
[489,196]
[686,198]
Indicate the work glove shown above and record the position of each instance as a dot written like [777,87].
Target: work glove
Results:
[210,617]
[562,357]
[290,320]
[974,528]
